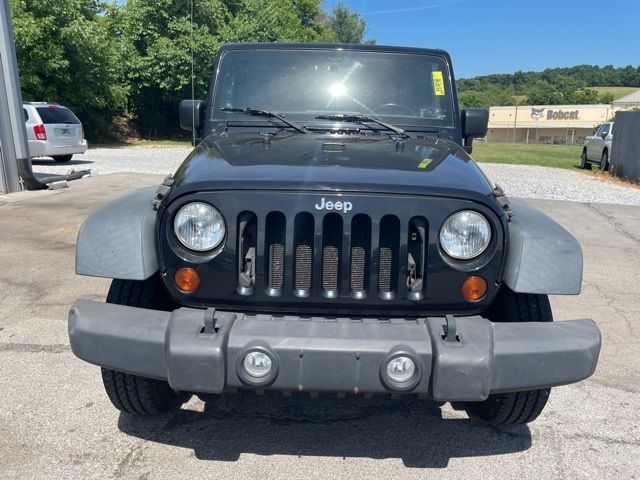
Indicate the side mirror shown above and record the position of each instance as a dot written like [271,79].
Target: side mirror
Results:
[191,114]
[475,123]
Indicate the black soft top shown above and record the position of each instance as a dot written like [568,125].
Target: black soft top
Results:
[335,46]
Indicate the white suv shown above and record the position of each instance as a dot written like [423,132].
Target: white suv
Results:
[53,131]
[597,147]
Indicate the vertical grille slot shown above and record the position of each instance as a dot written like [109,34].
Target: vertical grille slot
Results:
[274,249]
[331,246]
[360,255]
[247,236]
[388,261]
[416,253]
[303,244]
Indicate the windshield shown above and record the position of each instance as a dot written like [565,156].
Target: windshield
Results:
[403,89]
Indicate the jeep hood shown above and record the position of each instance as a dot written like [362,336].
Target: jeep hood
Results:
[332,163]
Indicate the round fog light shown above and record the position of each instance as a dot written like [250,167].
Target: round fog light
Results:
[401,369]
[257,364]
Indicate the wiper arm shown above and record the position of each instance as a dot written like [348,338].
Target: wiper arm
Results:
[267,114]
[364,119]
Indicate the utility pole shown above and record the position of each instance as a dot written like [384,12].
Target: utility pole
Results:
[515,122]
[13,135]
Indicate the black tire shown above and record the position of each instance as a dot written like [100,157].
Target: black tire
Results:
[514,408]
[62,158]
[139,395]
[131,393]
[604,161]
[150,293]
[584,161]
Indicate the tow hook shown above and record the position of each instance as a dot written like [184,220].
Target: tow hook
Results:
[210,321]
[450,330]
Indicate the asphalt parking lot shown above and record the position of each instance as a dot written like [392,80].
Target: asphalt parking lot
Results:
[56,421]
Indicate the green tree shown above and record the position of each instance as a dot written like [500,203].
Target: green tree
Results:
[607,97]
[67,53]
[113,62]
[349,26]
[160,47]
[580,96]
[159,43]
[276,21]
[472,99]
[543,93]
[489,97]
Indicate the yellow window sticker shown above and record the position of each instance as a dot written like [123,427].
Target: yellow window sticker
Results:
[438,83]
[425,162]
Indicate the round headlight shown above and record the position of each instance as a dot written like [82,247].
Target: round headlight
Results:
[401,369]
[465,235]
[199,226]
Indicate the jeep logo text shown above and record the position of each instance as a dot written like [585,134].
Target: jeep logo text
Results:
[343,207]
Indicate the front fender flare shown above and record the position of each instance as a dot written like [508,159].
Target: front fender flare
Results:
[543,257]
[118,240]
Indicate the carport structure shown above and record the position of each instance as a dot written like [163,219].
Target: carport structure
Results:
[13,142]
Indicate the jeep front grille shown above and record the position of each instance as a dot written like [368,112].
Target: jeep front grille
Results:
[331,245]
[360,254]
[276,237]
[332,255]
[389,249]
[303,240]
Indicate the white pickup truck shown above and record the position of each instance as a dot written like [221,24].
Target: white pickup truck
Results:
[597,147]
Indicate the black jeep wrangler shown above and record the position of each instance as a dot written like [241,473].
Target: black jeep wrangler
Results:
[331,233]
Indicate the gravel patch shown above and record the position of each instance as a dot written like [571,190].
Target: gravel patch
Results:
[547,183]
[101,161]
[517,180]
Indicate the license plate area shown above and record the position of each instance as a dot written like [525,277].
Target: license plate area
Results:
[65,132]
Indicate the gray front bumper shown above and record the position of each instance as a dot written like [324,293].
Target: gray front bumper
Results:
[199,354]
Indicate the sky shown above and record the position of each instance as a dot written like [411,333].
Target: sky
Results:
[503,36]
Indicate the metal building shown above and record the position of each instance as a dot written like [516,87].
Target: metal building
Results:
[553,124]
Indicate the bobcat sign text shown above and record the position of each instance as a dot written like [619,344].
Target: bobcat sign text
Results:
[538,113]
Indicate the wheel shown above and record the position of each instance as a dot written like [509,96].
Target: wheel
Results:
[139,395]
[62,158]
[131,393]
[604,161]
[584,162]
[514,408]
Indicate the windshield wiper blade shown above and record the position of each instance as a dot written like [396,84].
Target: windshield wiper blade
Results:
[267,114]
[364,119]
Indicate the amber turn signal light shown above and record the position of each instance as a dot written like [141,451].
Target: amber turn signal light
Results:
[187,280]
[474,288]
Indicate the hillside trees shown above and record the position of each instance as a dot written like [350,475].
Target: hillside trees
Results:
[552,86]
